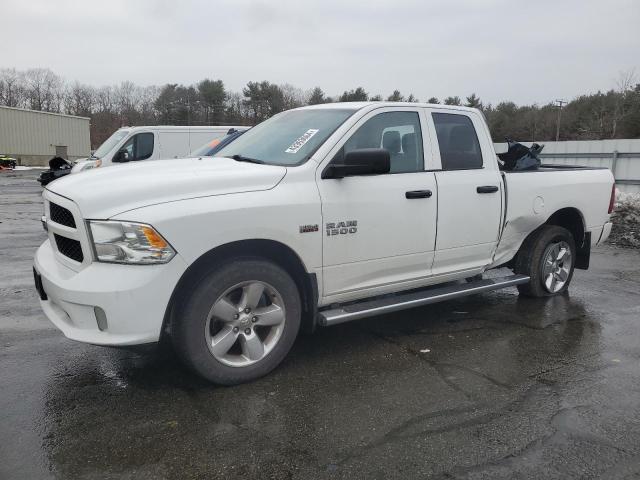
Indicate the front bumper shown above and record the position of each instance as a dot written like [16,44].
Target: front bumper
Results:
[133,298]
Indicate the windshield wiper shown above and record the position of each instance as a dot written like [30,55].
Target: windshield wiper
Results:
[242,158]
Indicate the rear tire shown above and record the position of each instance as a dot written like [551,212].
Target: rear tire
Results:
[239,321]
[548,257]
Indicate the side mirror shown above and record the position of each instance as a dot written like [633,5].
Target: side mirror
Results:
[121,156]
[363,161]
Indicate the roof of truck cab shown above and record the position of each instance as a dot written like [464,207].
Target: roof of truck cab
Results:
[361,105]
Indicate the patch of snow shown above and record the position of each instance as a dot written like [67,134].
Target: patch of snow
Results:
[22,167]
[626,220]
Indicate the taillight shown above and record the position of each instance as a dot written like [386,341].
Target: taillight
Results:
[612,200]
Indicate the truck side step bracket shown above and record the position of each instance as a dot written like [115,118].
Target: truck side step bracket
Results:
[412,299]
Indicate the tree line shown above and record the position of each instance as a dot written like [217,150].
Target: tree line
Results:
[611,114]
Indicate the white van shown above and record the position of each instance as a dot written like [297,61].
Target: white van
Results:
[150,143]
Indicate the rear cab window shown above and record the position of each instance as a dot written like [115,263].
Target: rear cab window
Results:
[458,142]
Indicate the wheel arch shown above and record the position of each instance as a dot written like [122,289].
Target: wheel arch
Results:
[572,219]
[279,253]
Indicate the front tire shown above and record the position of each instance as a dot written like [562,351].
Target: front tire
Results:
[239,321]
[548,257]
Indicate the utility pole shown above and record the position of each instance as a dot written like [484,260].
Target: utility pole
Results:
[559,104]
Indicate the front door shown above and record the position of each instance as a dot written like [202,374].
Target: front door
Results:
[379,230]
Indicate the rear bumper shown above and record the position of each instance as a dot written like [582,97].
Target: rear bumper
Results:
[133,298]
[600,234]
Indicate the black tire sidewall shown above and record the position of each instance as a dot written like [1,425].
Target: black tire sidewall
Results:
[188,328]
[531,257]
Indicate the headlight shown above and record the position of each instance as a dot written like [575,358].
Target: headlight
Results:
[127,242]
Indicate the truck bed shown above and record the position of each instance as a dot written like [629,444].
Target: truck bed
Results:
[532,199]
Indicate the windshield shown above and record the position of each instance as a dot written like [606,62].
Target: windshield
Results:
[289,138]
[109,143]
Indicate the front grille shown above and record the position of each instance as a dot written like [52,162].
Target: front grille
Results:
[69,248]
[61,215]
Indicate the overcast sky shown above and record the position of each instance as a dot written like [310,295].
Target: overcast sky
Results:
[522,50]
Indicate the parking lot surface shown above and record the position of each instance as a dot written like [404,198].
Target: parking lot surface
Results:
[491,386]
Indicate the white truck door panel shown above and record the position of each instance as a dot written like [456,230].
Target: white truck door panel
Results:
[373,235]
[468,221]
[393,239]
[469,194]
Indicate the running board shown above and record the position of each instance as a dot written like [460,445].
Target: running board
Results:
[401,301]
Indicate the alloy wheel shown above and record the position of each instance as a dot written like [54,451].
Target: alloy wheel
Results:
[245,323]
[556,266]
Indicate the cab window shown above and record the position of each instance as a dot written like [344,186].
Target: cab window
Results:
[397,132]
[459,146]
[140,146]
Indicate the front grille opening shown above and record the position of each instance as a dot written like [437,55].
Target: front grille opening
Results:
[69,248]
[61,215]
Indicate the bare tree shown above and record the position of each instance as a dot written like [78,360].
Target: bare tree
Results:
[294,97]
[43,90]
[11,88]
[80,99]
[104,99]
[625,83]
[146,104]
[127,96]
[235,110]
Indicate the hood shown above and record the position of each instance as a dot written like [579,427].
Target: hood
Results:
[104,192]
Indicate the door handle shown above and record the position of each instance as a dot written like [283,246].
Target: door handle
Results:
[418,194]
[487,189]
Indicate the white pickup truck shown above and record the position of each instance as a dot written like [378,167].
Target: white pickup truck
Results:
[317,216]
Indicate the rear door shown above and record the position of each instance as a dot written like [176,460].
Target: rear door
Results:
[469,189]
[376,234]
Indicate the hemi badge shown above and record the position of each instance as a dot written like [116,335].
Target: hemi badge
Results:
[308,228]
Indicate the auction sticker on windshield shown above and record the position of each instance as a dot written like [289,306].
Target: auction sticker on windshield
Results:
[299,143]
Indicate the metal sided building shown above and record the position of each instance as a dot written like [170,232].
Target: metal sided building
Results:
[33,137]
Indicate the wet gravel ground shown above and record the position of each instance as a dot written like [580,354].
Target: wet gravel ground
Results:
[510,388]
